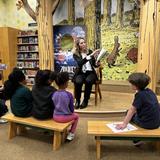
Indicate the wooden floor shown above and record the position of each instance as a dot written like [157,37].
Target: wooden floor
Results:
[116,96]
[111,101]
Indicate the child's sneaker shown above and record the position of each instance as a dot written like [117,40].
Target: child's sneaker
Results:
[70,136]
[137,143]
[3,121]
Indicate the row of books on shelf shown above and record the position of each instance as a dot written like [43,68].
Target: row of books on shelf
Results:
[30,73]
[32,64]
[27,55]
[28,32]
[30,81]
[30,76]
[28,40]
[28,48]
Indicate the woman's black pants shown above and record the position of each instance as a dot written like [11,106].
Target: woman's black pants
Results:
[88,78]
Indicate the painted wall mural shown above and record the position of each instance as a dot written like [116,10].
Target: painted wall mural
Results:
[11,17]
[119,31]
[64,37]
[3,17]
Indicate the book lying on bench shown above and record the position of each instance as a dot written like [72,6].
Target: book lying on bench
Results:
[129,127]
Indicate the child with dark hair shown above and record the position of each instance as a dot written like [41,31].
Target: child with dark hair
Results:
[42,91]
[52,77]
[20,96]
[63,101]
[145,109]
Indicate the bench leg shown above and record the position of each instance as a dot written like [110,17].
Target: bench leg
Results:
[21,129]
[57,140]
[157,145]
[12,130]
[64,135]
[98,148]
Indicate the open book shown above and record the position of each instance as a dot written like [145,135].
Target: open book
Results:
[129,127]
[101,54]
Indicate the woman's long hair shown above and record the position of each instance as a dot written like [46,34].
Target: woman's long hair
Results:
[78,51]
[14,81]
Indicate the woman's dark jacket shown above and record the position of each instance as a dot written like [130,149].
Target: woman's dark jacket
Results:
[81,62]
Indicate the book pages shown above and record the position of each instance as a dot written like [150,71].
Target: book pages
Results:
[129,127]
[102,53]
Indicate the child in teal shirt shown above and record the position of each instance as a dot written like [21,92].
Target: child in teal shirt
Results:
[20,96]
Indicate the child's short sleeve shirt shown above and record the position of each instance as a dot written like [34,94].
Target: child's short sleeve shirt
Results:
[148,109]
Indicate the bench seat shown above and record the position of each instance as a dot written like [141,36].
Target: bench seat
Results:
[17,124]
[102,132]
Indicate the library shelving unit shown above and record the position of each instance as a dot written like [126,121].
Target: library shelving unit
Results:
[27,54]
[8,49]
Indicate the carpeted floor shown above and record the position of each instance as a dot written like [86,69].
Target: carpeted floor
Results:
[35,145]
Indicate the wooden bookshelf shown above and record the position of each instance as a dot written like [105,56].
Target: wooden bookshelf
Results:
[8,48]
[27,54]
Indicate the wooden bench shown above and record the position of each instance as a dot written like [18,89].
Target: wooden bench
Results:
[102,132]
[17,124]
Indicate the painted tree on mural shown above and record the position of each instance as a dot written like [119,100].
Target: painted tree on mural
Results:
[119,14]
[24,4]
[98,24]
[136,10]
[92,17]
[71,12]
[107,7]
[89,20]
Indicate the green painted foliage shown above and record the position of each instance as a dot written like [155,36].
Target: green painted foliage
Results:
[127,39]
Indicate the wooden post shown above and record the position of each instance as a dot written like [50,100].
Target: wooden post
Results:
[148,51]
[45,34]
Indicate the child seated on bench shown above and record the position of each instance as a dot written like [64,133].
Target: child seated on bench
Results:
[20,96]
[42,91]
[145,109]
[63,102]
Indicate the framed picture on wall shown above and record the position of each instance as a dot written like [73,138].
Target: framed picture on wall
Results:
[64,37]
